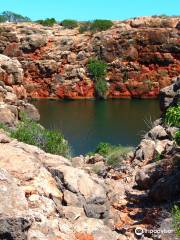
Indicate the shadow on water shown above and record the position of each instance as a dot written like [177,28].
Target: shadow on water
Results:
[85,123]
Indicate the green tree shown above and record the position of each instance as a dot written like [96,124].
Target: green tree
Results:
[101,25]
[47,22]
[69,23]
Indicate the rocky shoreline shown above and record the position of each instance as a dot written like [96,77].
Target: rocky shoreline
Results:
[143,55]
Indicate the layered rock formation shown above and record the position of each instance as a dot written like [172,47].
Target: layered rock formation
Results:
[13,96]
[143,55]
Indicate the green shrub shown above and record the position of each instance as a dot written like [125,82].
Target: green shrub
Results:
[101,25]
[172,116]
[97,68]
[47,22]
[118,155]
[104,149]
[101,88]
[33,133]
[114,154]
[177,137]
[176,219]
[69,23]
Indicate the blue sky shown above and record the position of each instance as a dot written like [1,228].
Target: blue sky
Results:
[90,9]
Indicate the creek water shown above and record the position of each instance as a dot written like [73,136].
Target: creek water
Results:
[85,123]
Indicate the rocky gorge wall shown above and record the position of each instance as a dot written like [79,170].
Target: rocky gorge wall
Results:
[143,55]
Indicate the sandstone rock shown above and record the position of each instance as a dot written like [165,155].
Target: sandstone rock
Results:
[96,228]
[11,70]
[14,220]
[169,95]
[158,132]
[145,150]
[7,117]
[30,111]
[149,174]
[33,42]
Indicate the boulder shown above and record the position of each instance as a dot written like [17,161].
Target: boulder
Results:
[151,173]
[7,117]
[166,188]
[145,150]
[157,133]
[169,96]
[33,42]
[30,111]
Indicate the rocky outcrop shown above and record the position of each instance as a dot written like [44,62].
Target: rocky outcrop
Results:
[48,198]
[142,56]
[13,96]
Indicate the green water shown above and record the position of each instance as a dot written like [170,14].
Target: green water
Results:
[86,123]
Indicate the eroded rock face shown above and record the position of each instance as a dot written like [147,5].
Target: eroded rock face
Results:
[142,56]
[13,96]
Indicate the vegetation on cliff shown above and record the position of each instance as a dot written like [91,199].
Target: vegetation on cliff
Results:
[97,25]
[98,68]
[101,25]
[172,116]
[114,154]
[69,23]
[47,22]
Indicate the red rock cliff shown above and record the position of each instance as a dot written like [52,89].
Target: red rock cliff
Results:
[143,55]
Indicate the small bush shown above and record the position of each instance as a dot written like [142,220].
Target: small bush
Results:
[101,25]
[177,137]
[47,22]
[32,133]
[176,219]
[118,155]
[101,88]
[97,68]
[104,149]
[114,154]
[172,116]
[69,23]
